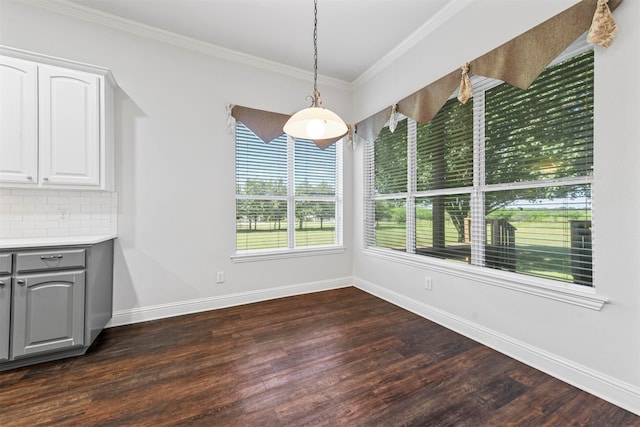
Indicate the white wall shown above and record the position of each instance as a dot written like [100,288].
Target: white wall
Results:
[175,166]
[597,350]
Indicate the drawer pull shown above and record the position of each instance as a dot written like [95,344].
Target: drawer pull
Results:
[50,257]
[21,282]
[2,283]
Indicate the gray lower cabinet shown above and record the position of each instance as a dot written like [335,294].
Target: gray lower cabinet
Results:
[48,313]
[5,305]
[54,302]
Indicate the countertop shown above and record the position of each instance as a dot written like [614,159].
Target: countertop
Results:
[34,242]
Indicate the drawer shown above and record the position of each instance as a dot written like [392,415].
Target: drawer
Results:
[5,263]
[50,260]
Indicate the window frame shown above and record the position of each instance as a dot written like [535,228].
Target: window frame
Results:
[570,293]
[291,251]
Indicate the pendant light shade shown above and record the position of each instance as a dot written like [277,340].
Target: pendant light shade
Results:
[315,122]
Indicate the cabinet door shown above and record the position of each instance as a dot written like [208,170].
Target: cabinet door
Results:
[18,121]
[5,312]
[69,127]
[48,313]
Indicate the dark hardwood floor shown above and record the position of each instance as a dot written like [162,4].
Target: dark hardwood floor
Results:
[333,358]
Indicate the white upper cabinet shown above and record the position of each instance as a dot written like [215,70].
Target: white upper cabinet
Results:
[56,123]
[18,121]
[69,127]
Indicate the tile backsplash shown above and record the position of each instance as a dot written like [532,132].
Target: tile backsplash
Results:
[54,213]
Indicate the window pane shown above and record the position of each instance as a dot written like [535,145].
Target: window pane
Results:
[315,223]
[391,219]
[542,232]
[390,160]
[445,148]
[544,132]
[261,169]
[265,198]
[315,169]
[443,227]
[261,224]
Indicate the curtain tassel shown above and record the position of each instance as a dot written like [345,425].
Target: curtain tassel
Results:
[603,27]
[230,121]
[393,119]
[351,136]
[465,85]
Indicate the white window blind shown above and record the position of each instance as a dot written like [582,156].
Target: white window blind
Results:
[539,161]
[390,165]
[288,193]
[502,182]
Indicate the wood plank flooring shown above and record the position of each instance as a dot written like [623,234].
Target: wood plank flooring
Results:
[335,358]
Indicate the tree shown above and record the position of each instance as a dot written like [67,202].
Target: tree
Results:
[382,211]
[390,160]
[303,210]
[324,211]
[544,132]
[445,160]
[258,208]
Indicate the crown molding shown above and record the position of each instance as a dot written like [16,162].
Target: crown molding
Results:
[440,18]
[133,27]
[59,62]
[88,14]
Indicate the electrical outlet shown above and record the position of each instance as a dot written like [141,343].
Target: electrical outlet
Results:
[220,277]
[63,215]
[428,283]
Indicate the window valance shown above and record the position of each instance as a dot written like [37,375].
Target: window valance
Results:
[518,62]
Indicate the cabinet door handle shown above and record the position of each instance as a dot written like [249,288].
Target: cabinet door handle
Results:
[51,257]
[29,178]
[2,283]
[21,282]
[46,178]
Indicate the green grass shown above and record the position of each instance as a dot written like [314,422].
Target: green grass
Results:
[542,249]
[268,236]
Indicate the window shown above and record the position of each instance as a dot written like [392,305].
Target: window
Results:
[288,193]
[502,182]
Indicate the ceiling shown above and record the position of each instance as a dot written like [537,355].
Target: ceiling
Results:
[353,35]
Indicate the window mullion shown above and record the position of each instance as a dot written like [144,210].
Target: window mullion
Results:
[339,199]
[478,226]
[369,210]
[411,186]
[291,191]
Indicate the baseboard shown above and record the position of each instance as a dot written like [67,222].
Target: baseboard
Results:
[605,387]
[161,311]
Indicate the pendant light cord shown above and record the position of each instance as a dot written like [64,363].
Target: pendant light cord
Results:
[316,95]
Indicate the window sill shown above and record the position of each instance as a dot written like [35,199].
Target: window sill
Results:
[285,254]
[551,289]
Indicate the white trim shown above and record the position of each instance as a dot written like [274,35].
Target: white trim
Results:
[580,296]
[269,255]
[162,311]
[59,62]
[611,389]
[108,20]
[440,18]
[291,192]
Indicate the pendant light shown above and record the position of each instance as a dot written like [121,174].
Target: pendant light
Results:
[315,122]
